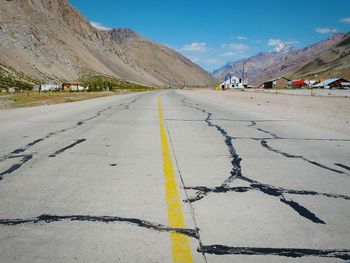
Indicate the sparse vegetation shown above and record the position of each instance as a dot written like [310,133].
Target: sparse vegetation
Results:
[32,98]
[106,83]
[11,78]
[99,86]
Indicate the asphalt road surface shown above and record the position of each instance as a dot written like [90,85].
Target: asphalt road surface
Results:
[170,177]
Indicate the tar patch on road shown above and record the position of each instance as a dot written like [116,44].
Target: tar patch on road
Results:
[47,219]
[236,174]
[16,166]
[28,157]
[66,148]
[343,166]
[265,145]
[284,252]
[274,191]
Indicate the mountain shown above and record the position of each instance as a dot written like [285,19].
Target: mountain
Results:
[50,40]
[326,58]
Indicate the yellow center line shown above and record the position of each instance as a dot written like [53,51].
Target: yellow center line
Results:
[180,244]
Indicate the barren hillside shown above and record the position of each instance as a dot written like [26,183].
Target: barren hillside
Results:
[326,58]
[50,40]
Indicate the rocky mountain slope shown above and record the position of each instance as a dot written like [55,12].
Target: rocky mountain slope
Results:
[50,40]
[329,57]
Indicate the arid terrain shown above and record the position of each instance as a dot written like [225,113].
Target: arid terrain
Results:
[52,41]
[327,58]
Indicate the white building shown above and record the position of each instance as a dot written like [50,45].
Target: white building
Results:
[49,87]
[76,88]
[232,83]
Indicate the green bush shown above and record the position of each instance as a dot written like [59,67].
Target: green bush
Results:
[104,83]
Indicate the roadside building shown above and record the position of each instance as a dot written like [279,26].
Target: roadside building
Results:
[232,82]
[300,83]
[332,83]
[276,83]
[76,88]
[345,85]
[260,86]
[72,87]
[311,83]
[49,87]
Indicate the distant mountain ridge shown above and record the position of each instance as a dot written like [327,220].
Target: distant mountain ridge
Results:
[50,40]
[326,58]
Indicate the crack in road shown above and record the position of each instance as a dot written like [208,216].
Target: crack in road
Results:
[263,143]
[27,157]
[236,174]
[98,114]
[200,243]
[288,138]
[304,212]
[284,252]
[45,218]
[16,166]
[221,119]
[66,148]
[274,136]
[268,147]
[343,166]
[203,190]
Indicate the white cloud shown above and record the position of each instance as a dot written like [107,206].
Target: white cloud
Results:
[258,41]
[229,54]
[233,46]
[326,30]
[195,47]
[277,43]
[280,45]
[242,38]
[99,25]
[345,20]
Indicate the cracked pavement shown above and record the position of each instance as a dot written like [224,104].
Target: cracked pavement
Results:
[84,182]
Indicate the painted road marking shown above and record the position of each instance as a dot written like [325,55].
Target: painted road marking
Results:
[180,244]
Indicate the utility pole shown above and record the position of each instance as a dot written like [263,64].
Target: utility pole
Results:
[245,73]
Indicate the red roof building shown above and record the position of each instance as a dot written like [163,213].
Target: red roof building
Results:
[298,83]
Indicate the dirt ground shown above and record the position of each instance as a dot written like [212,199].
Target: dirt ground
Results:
[322,111]
[45,98]
[306,92]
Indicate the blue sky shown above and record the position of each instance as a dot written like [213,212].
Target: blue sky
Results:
[212,33]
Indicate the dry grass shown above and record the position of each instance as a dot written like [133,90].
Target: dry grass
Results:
[36,99]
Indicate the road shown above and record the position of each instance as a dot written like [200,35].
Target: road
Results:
[170,176]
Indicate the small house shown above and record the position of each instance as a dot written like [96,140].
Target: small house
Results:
[300,83]
[232,82]
[72,87]
[49,87]
[76,88]
[311,83]
[276,83]
[332,83]
[345,85]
